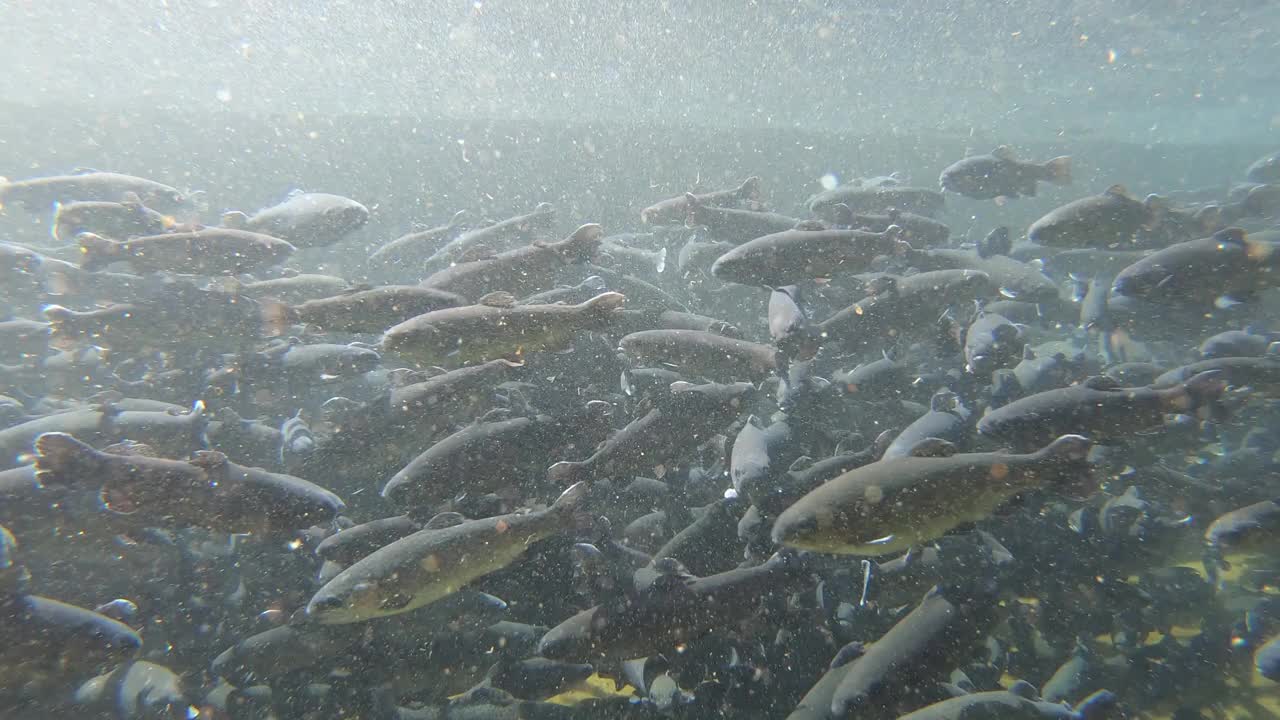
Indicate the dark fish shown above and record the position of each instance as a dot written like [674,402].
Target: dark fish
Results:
[733,225]
[1198,272]
[305,219]
[370,310]
[702,353]
[1002,174]
[879,379]
[43,192]
[806,253]
[208,251]
[897,503]
[490,456]
[434,563]
[500,329]
[494,238]
[1109,219]
[939,632]
[687,417]
[674,211]
[1251,527]
[521,271]
[876,199]
[1099,408]
[415,247]
[120,220]
[903,307]
[208,491]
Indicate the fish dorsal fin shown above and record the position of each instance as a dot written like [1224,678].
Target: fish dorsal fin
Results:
[1024,689]
[943,401]
[235,220]
[208,460]
[1028,353]
[543,208]
[475,253]
[933,447]
[1004,152]
[882,285]
[1232,236]
[1117,190]
[800,463]
[498,299]
[130,447]
[811,225]
[1101,382]
[445,520]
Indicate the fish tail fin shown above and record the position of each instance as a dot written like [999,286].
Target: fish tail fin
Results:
[660,261]
[1076,477]
[1204,395]
[572,504]
[694,210]
[583,243]
[96,251]
[199,424]
[568,472]
[1097,706]
[1058,170]
[63,460]
[604,304]
[276,316]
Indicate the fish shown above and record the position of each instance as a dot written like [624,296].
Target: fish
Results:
[207,491]
[434,563]
[947,623]
[1099,408]
[702,353]
[497,328]
[415,246]
[91,185]
[121,220]
[520,272]
[806,253]
[305,219]
[491,239]
[897,503]
[1198,272]
[1110,219]
[358,310]
[208,251]
[1001,174]
[674,211]
[686,417]
[860,198]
